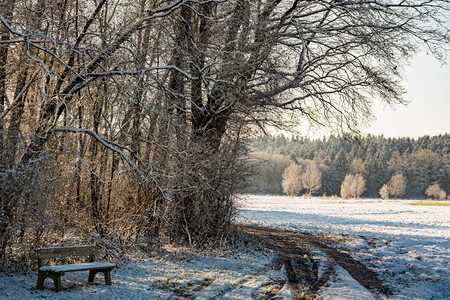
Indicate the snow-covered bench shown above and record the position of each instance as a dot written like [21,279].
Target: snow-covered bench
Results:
[55,272]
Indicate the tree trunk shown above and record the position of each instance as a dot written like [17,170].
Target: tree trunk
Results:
[13,134]
[6,8]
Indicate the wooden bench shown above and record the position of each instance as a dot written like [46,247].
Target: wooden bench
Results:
[56,272]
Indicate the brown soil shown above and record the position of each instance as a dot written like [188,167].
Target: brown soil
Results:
[189,290]
[310,262]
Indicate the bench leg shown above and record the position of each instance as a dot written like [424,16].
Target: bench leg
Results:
[107,277]
[92,276]
[107,274]
[40,282]
[57,278]
[57,281]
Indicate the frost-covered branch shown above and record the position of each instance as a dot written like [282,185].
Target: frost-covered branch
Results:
[141,72]
[119,149]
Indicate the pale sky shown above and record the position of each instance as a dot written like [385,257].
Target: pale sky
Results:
[427,85]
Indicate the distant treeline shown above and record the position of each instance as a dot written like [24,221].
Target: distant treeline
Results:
[424,161]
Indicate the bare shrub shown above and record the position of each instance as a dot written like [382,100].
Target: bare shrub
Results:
[384,191]
[436,192]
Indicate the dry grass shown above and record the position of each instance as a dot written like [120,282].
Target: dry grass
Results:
[430,203]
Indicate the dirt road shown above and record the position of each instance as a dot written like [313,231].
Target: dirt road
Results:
[310,261]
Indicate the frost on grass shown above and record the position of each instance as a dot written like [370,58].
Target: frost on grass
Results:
[175,272]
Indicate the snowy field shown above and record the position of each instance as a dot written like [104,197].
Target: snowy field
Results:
[408,245]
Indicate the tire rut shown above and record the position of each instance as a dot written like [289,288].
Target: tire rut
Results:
[192,288]
[306,271]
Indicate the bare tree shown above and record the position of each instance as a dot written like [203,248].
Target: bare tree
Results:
[346,186]
[358,186]
[292,180]
[312,179]
[352,186]
[397,185]
[65,84]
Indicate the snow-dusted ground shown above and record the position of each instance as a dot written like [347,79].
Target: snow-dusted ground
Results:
[409,244]
[182,273]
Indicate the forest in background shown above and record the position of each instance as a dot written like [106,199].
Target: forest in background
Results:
[424,161]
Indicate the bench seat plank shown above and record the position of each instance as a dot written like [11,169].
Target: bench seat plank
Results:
[78,267]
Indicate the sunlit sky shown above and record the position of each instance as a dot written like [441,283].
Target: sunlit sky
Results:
[427,84]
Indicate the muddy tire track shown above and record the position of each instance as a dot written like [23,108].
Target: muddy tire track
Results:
[189,290]
[307,272]
[270,290]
